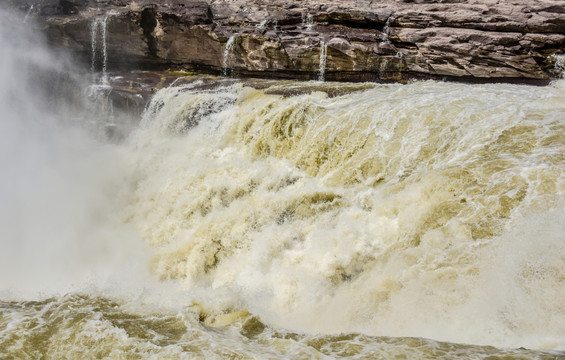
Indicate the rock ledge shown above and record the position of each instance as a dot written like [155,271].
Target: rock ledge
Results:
[348,40]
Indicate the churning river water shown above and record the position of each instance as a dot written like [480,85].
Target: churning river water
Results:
[284,220]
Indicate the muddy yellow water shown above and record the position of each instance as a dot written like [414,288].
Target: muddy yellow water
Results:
[288,220]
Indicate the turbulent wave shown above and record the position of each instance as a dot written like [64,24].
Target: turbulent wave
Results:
[93,327]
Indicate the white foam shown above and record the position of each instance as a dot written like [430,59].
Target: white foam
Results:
[376,211]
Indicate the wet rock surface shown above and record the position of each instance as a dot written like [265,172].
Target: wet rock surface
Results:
[388,40]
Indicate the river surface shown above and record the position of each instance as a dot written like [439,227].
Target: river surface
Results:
[282,220]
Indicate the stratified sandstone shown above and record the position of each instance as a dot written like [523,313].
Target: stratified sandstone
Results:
[378,40]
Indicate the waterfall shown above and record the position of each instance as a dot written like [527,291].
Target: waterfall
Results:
[386,31]
[227,54]
[380,203]
[383,67]
[102,107]
[279,219]
[323,58]
[390,66]
[28,13]
[98,93]
[261,25]
[99,58]
[560,65]
[308,21]
[386,63]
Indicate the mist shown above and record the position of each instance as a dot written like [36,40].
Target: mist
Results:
[61,188]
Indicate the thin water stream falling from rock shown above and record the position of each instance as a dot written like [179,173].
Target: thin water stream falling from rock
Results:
[323,59]
[228,54]
[560,64]
[386,31]
[384,41]
[99,48]
[99,92]
[308,21]
[30,10]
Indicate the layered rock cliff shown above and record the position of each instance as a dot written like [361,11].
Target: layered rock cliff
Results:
[353,40]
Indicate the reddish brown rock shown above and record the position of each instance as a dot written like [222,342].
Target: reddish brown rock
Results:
[388,40]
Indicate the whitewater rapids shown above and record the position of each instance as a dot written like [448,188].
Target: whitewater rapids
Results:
[429,209]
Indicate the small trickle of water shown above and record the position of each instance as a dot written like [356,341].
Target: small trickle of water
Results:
[98,31]
[560,65]
[386,31]
[102,106]
[227,54]
[323,58]
[383,68]
[261,25]
[308,21]
[28,13]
